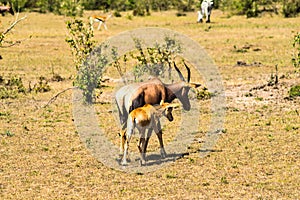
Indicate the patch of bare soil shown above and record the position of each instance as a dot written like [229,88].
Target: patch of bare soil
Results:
[248,97]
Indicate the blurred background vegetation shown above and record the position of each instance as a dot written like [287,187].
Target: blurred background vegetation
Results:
[250,8]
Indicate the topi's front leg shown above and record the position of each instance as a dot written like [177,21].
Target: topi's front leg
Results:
[122,140]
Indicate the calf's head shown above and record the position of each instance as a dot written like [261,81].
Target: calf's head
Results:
[167,108]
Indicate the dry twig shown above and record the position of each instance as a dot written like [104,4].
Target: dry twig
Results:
[13,25]
[56,96]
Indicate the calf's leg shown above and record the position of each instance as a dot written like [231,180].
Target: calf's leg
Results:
[124,161]
[158,132]
[141,146]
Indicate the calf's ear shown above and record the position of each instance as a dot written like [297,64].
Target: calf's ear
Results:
[161,102]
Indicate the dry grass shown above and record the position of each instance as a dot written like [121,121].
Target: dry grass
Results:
[42,156]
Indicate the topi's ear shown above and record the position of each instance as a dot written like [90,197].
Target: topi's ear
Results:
[194,85]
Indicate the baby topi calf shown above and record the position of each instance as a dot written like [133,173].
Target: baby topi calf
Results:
[143,118]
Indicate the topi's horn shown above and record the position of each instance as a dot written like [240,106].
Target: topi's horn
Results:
[179,73]
[189,72]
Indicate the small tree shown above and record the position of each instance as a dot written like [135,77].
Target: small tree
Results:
[82,44]
[80,40]
[89,74]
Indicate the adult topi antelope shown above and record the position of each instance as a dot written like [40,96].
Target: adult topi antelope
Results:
[153,91]
[142,118]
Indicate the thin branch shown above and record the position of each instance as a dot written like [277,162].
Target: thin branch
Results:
[13,25]
[13,43]
[56,96]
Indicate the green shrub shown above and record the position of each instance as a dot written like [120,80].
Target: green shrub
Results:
[117,14]
[155,60]
[80,40]
[160,5]
[224,180]
[204,94]
[41,86]
[294,91]
[291,8]
[88,60]
[138,11]
[90,73]
[19,5]
[11,87]
[141,9]
[296,45]
[242,7]
[8,133]
[70,8]
[62,7]
[185,6]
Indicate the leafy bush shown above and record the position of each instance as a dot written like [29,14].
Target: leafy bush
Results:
[61,7]
[11,87]
[90,73]
[117,14]
[18,5]
[185,6]
[296,45]
[88,60]
[70,8]
[141,9]
[8,133]
[96,4]
[80,40]
[46,5]
[250,8]
[155,60]
[40,86]
[117,62]
[294,91]
[291,8]
[241,7]
[161,4]
[204,94]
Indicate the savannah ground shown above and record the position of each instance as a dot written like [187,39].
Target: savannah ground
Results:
[257,156]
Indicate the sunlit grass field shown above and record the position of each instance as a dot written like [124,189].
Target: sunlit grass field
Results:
[256,157]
